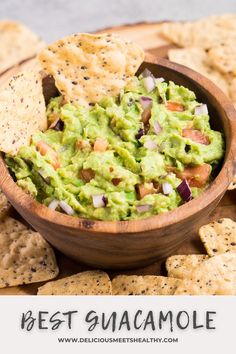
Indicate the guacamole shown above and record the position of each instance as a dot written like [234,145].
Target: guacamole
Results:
[140,154]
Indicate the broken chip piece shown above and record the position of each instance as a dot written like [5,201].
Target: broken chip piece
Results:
[93,282]
[144,285]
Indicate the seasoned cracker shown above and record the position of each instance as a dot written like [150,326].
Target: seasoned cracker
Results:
[226,21]
[202,34]
[18,43]
[223,57]
[181,266]
[197,59]
[94,282]
[232,88]
[88,67]
[25,257]
[191,287]
[22,110]
[215,276]
[28,289]
[219,236]
[143,285]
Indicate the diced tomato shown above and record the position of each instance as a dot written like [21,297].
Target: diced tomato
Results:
[196,135]
[197,176]
[174,106]
[100,145]
[45,149]
[145,190]
[116,181]
[87,174]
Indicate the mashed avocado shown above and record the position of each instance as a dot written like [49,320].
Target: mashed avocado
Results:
[123,158]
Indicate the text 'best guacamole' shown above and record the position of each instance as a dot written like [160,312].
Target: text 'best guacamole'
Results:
[145,152]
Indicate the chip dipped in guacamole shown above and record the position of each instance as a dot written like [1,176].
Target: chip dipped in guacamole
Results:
[116,146]
[143,153]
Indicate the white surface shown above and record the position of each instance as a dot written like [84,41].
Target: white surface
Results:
[52,19]
[191,341]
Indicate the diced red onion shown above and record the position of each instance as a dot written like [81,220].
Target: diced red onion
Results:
[146,73]
[160,79]
[66,208]
[58,125]
[143,208]
[54,204]
[150,144]
[157,128]
[99,201]
[146,102]
[184,191]
[149,83]
[167,188]
[202,109]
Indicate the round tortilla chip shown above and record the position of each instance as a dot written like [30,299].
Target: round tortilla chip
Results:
[88,67]
[22,110]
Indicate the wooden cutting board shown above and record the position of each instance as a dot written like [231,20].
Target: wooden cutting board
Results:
[147,35]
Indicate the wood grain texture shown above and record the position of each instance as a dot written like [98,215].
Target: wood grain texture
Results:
[128,248]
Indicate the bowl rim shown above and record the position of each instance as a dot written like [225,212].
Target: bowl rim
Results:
[215,190]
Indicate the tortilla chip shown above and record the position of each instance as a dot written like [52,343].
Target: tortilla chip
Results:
[215,276]
[93,282]
[181,266]
[223,57]
[203,34]
[88,67]
[197,59]
[25,257]
[143,285]
[177,33]
[18,43]
[4,205]
[206,287]
[225,21]
[28,289]
[232,87]
[14,290]
[219,236]
[22,110]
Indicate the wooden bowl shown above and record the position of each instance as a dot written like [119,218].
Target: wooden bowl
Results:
[129,244]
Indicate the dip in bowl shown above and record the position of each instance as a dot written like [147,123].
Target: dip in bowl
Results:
[143,153]
[127,216]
